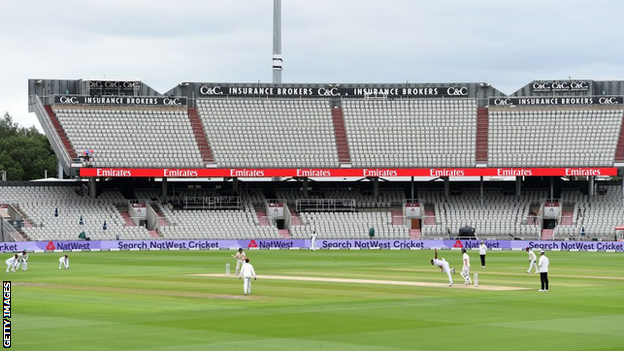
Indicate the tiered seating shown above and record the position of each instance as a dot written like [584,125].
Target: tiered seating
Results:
[598,215]
[202,224]
[132,136]
[274,133]
[211,224]
[156,195]
[385,199]
[40,203]
[571,228]
[291,196]
[348,225]
[411,132]
[501,217]
[565,137]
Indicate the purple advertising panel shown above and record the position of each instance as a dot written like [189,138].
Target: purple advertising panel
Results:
[305,244]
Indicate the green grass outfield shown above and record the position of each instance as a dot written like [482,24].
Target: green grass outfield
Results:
[149,300]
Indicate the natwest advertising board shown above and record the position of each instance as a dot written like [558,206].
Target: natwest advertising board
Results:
[604,246]
[337,172]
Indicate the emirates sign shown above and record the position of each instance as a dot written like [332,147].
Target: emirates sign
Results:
[337,172]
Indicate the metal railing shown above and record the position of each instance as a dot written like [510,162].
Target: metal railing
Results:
[275,201]
[48,127]
[8,232]
[326,205]
[396,219]
[212,203]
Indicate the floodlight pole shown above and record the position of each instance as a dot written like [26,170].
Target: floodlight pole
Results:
[277,49]
[277,42]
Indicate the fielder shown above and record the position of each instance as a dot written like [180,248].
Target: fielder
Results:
[22,260]
[11,262]
[444,266]
[64,261]
[247,271]
[466,268]
[240,259]
[532,260]
[313,241]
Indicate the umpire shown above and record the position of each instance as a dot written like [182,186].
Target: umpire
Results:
[543,264]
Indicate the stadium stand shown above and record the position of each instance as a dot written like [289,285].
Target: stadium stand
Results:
[598,216]
[291,196]
[243,223]
[132,136]
[553,137]
[500,217]
[404,133]
[385,199]
[215,224]
[349,225]
[40,204]
[329,126]
[275,133]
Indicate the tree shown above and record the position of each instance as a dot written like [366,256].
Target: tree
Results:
[25,154]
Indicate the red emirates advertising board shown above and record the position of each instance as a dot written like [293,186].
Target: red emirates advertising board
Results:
[337,172]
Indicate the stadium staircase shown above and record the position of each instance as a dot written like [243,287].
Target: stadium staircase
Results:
[61,132]
[154,234]
[162,220]
[284,233]
[263,220]
[127,220]
[342,143]
[566,215]
[19,237]
[200,135]
[294,218]
[415,234]
[397,217]
[28,222]
[619,150]
[430,216]
[9,230]
[548,234]
[483,123]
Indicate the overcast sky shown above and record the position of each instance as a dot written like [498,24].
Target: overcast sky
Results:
[505,43]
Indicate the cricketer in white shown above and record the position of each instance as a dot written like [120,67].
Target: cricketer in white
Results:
[240,259]
[22,261]
[466,268]
[444,266]
[532,260]
[247,272]
[313,241]
[11,262]
[64,261]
